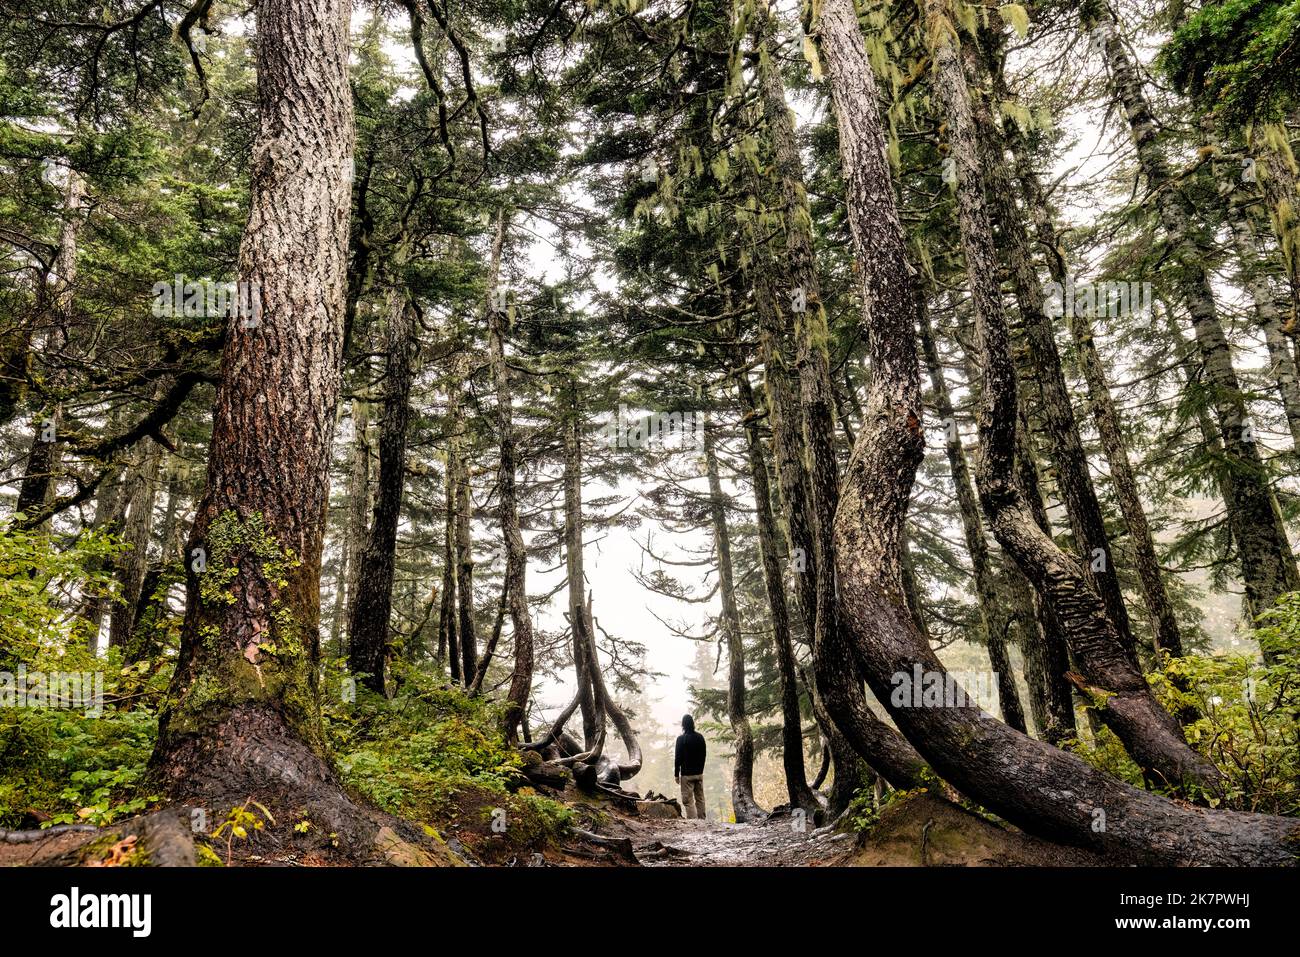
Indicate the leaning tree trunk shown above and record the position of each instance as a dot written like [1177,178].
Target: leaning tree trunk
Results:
[243,710]
[369,628]
[742,771]
[1032,784]
[1267,564]
[1166,633]
[1072,471]
[811,523]
[792,758]
[993,622]
[516,588]
[1110,672]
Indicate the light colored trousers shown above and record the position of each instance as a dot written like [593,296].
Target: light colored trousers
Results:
[692,795]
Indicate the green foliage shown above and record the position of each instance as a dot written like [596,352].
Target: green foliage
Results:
[411,754]
[37,579]
[1246,717]
[1244,54]
[73,767]
[1249,713]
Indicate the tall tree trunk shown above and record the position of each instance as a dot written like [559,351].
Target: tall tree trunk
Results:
[353,532]
[1166,634]
[1032,784]
[243,711]
[132,565]
[993,622]
[746,809]
[573,558]
[369,625]
[1267,565]
[1087,523]
[880,745]
[466,630]
[1127,705]
[1282,366]
[448,644]
[516,587]
[792,757]
[40,476]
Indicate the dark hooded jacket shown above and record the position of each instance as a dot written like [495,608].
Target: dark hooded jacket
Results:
[689,759]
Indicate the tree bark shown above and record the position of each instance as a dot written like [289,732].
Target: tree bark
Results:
[880,745]
[1113,680]
[744,806]
[1166,634]
[369,628]
[521,682]
[246,680]
[993,622]
[136,532]
[792,757]
[1033,785]
[1267,564]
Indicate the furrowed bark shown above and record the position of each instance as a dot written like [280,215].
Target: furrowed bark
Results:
[249,658]
[840,686]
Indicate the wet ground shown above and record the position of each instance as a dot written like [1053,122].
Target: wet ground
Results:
[776,843]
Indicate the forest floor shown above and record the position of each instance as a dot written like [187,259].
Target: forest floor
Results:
[773,843]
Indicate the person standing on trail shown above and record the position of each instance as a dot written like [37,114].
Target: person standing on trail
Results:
[688,769]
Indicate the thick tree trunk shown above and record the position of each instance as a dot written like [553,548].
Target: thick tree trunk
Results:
[369,628]
[746,809]
[792,757]
[883,748]
[993,622]
[1267,564]
[244,699]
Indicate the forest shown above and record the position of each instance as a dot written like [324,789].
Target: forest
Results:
[410,409]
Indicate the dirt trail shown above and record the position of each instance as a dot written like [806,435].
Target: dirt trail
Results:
[776,843]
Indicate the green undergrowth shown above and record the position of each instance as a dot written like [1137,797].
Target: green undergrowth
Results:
[435,755]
